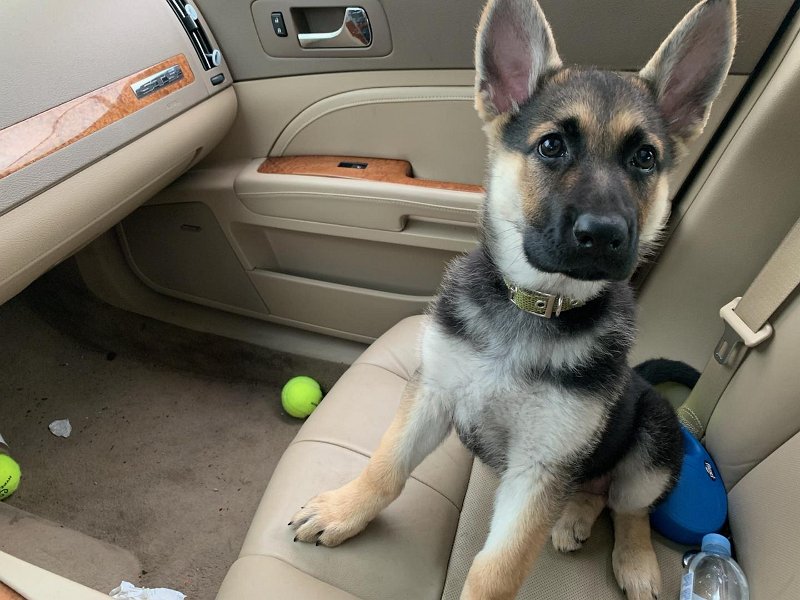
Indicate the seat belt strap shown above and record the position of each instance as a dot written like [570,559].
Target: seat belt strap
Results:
[746,326]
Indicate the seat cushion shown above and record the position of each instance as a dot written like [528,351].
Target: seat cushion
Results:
[421,546]
[403,553]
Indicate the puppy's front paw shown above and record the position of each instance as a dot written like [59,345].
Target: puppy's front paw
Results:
[332,517]
[637,573]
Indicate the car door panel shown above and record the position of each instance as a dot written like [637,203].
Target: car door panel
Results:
[347,257]
[425,34]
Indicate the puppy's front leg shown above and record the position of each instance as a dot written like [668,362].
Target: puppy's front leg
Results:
[421,423]
[527,503]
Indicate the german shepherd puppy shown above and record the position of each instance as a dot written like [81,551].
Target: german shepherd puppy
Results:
[525,351]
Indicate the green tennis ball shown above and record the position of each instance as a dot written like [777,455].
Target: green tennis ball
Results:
[300,396]
[10,474]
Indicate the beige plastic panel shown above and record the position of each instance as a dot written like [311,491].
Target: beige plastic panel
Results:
[764,516]
[34,583]
[386,115]
[51,226]
[759,410]
[266,107]
[357,279]
[52,54]
[108,275]
[435,128]
[614,34]
[354,313]
[180,249]
[378,266]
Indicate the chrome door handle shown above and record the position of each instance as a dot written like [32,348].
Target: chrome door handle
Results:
[355,32]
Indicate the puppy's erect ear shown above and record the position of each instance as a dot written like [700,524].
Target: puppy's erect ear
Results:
[689,68]
[513,48]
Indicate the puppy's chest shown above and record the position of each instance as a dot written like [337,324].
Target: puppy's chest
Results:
[501,406]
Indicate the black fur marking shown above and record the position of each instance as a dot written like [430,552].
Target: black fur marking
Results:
[604,372]
[641,417]
[663,370]
[449,316]
[615,439]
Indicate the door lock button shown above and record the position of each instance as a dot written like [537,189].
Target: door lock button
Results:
[278,25]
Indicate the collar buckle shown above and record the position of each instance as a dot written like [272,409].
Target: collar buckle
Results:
[540,304]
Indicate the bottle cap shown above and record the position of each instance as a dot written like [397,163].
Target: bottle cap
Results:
[716,543]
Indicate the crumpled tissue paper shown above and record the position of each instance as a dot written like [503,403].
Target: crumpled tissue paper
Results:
[128,591]
[60,428]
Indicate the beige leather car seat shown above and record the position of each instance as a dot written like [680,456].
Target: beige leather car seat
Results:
[421,547]
[738,209]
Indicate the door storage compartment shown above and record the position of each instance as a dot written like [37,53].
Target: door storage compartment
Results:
[378,266]
[331,306]
[180,250]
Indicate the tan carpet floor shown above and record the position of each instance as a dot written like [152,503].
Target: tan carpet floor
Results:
[175,433]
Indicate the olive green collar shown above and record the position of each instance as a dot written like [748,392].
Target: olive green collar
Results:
[539,303]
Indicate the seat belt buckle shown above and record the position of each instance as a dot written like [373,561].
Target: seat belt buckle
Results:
[737,332]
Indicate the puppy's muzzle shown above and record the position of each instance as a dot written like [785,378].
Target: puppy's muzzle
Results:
[585,245]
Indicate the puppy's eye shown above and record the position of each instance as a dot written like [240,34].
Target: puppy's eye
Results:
[552,146]
[644,158]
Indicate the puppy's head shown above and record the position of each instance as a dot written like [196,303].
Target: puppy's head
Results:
[579,157]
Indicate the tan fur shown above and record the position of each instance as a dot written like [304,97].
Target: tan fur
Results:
[575,524]
[335,516]
[498,575]
[539,131]
[582,109]
[634,560]
[654,210]
[493,128]
[530,188]
[499,570]
[622,124]
[561,76]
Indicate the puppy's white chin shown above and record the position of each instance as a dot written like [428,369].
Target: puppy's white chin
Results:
[525,275]
[506,248]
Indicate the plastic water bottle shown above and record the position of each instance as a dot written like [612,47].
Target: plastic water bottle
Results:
[713,574]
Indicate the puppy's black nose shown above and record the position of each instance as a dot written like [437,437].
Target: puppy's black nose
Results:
[599,234]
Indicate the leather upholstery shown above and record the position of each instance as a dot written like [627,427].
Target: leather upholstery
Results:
[404,553]
[422,545]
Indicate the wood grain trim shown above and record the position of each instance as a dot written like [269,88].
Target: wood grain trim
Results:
[378,169]
[24,143]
